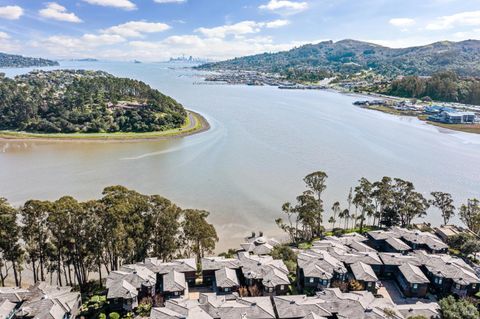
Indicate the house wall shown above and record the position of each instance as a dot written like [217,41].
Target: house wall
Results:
[409,289]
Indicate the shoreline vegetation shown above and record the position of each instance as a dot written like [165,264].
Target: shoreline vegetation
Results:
[195,123]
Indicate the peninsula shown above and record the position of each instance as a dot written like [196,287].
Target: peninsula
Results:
[18,61]
[79,104]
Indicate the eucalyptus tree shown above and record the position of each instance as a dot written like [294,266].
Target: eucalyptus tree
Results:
[198,235]
[382,196]
[34,215]
[406,202]
[10,248]
[444,202]
[316,182]
[470,215]
[363,199]
[291,228]
[336,210]
[165,228]
[310,214]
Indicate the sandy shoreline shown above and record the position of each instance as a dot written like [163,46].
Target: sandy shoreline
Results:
[199,125]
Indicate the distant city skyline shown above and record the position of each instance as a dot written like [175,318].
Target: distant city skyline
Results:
[155,30]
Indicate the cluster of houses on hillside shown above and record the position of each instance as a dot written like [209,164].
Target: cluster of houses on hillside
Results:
[254,285]
[416,260]
[40,301]
[337,277]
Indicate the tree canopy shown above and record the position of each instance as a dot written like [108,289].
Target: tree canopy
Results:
[67,101]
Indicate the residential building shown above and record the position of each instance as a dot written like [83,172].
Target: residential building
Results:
[364,274]
[259,245]
[40,301]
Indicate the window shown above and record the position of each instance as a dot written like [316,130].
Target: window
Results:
[227,289]
[325,282]
[311,280]
[415,286]
[176,293]
[474,286]
[369,284]
[457,286]
[282,287]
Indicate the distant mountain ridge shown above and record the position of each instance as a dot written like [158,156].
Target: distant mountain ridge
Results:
[18,61]
[347,56]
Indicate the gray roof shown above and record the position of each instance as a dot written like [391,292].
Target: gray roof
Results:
[49,302]
[259,245]
[121,289]
[180,309]
[320,264]
[6,308]
[226,278]
[237,308]
[174,281]
[215,263]
[180,265]
[428,310]
[275,278]
[397,244]
[397,259]
[412,236]
[363,272]
[263,268]
[299,306]
[358,305]
[136,275]
[14,294]
[447,266]
[413,274]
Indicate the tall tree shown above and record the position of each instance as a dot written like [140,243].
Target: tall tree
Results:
[166,226]
[200,237]
[336,212]
[363,199]
[10,248]
[316,182]
[470,215]
[444,202]
[34,214]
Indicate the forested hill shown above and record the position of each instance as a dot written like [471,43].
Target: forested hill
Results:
[18,61]
[349,56]
[67,101]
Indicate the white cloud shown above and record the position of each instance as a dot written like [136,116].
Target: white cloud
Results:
[133,29]
[240,28]
[402,22]
[4,36]
[11,12]
[285,6]
[57,12]
[469,18]
[170,1]
[277,24]
[66,45]
[122,4]
[212,48]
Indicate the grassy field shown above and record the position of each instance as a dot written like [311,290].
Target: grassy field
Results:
[201,124]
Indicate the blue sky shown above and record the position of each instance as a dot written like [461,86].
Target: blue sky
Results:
[155,30]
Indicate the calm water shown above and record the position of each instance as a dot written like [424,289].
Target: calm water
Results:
[262,142]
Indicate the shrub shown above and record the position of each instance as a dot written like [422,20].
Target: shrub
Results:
[113,315]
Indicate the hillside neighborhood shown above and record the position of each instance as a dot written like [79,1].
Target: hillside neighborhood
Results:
[394,273]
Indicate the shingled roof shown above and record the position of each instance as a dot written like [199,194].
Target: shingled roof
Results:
[363,272]
[236,307]
[226,278]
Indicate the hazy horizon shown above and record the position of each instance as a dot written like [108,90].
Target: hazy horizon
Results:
[155,30]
